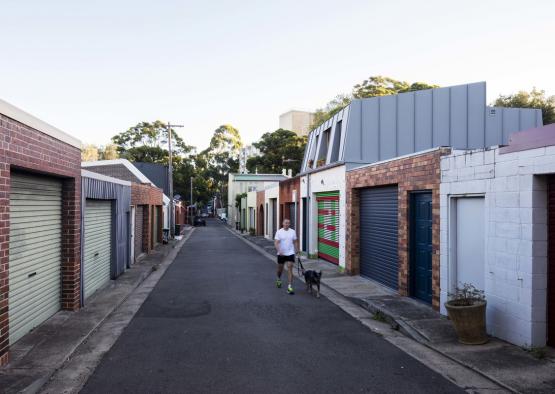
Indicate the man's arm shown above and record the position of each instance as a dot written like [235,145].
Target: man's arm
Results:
[276,245]
[297,248]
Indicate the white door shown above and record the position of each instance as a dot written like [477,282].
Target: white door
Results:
[98,245]
[470,241]
[132,236]
[35,257]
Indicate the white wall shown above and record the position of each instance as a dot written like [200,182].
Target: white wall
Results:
[271,192]
[515,220]
[328,180]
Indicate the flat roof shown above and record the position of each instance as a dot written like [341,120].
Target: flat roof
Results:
[27,119]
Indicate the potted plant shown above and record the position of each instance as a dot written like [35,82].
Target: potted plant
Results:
[320,162]
[252,231]
[467,311]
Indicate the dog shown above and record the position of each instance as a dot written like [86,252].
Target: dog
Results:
[312,278]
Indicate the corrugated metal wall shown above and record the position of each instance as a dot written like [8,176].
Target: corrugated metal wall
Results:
[103,190]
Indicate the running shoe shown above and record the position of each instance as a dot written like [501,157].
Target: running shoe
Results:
[278,284]
[290,290]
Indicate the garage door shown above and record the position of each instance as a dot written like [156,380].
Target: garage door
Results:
[35,252]
[379,235]
[98,245]
[328,226]
[139,213]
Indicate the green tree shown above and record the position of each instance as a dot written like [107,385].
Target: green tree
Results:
[110,152]
[372,87]
[533,99]
[279,149]
[384,86]
[148,142]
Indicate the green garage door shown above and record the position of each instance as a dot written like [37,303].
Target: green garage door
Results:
[328,226]
[35,252]
[98,245]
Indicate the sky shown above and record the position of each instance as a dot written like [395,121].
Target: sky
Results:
[95,68]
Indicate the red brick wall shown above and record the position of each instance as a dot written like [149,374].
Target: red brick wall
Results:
[286,197]
[147,196]
[261,216]
[27,149]
[418,172]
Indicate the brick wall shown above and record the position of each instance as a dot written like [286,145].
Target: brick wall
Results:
[116,170]
[416,172]
[286,189]
[27,149]
[146,197]
[260,215]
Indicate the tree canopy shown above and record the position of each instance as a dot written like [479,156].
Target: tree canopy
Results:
[374,86]
[147,142]
[533,99]
[278,150]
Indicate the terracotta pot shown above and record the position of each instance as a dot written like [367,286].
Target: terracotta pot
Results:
[469,322]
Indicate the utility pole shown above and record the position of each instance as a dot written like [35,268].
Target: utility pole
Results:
[170,178]
[191,204]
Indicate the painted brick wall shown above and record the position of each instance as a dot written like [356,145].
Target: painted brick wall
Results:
[27,149]
[514,187]
[412,173]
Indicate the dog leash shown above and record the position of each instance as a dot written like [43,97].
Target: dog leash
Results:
[300,267]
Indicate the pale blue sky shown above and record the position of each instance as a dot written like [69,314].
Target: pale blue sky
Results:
[94,68]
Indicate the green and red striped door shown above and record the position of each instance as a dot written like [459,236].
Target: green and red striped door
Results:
[328,226]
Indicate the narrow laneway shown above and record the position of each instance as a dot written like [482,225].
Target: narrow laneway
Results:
[216,323]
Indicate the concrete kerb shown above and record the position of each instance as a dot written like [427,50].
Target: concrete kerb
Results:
[400,327]
[145,284]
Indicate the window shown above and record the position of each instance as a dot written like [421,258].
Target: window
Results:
[336,143]
[323,151]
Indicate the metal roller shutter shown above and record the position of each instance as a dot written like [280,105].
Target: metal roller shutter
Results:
[379,236]
[139,213]
[328,226]
[35,256]
[98,245]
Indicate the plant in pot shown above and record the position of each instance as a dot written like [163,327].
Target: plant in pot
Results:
[467,311]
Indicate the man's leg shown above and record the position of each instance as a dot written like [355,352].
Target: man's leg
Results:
[290,272]
[279,272]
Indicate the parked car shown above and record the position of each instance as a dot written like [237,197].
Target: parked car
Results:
[204,215]
[199,221]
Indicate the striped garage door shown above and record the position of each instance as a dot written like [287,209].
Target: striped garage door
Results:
[328,226]
[98,245]
[139,214]
[35,256]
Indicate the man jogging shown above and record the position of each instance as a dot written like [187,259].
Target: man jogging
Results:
[287,246]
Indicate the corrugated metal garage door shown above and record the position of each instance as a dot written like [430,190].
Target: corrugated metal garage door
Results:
[98,245]
[35,252]
[328,226]
[379,235]
[139,214]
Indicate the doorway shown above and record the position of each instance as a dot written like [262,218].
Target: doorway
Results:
[421,246]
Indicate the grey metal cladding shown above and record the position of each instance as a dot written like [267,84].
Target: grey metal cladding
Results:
[382,128]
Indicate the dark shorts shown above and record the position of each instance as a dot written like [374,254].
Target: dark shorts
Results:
[283,259]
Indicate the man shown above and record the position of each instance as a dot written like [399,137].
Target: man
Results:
[287,247]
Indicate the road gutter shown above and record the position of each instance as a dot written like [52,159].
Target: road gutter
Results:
[464,376]
[71,376]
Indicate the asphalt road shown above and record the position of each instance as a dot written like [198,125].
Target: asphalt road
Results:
[215,323]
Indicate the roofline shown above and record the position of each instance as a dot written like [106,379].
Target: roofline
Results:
[27,119]
[105,178]
[420,153]
[134,170]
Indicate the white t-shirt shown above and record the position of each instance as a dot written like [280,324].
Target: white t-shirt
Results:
[286,239]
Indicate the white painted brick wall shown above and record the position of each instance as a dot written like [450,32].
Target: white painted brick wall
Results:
[516,235]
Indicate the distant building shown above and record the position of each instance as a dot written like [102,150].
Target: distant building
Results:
[297,121]
[245,154]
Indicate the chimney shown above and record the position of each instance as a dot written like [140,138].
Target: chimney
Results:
[290,173]
[284,172]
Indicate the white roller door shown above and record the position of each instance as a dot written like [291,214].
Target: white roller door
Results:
[35,254]
[98,245]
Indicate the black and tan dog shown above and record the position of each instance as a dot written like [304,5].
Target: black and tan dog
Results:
[312,278]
